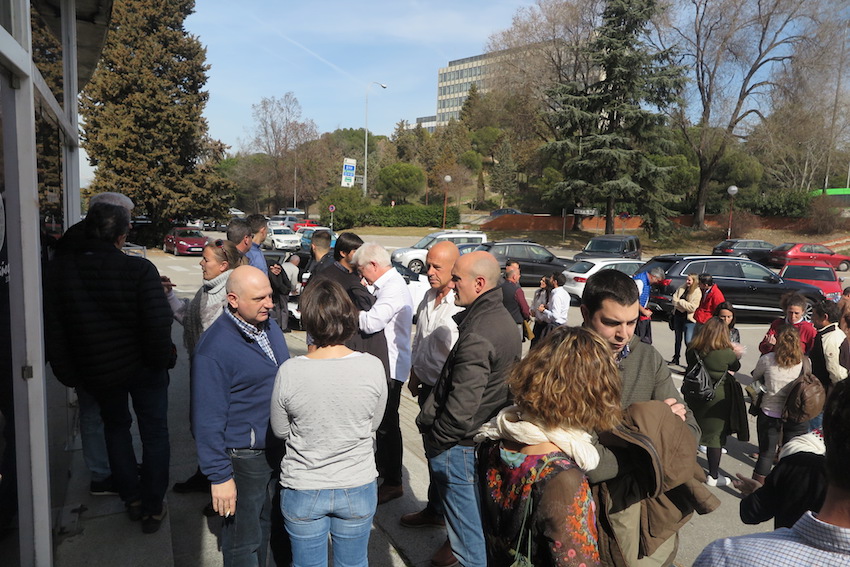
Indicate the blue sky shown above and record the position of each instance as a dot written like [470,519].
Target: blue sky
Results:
[327,51]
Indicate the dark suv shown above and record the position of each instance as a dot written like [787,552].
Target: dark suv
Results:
[752,289]
[611,246]
[534,260]
[757,250]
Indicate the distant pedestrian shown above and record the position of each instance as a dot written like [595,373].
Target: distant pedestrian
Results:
[645,281]
[686,299]
[514,298]
[794,306]
[541,297]
[711,298]
[557,311]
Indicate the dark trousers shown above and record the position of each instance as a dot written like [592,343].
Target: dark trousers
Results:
[245,535]
[643,329]
[148,390]
[435,505]
[389,453]
[769,430]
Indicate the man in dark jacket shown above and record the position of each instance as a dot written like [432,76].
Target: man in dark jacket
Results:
[470,391]
[109,330]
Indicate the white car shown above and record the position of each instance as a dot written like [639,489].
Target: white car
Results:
[414,257]
[578,273]
[282,238]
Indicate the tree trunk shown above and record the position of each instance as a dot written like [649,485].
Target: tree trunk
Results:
[577,223]
[609,216]
[702,198]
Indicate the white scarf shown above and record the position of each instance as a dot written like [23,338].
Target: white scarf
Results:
[516,425]
[811,442]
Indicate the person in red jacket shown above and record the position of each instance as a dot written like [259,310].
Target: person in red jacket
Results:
[794,305]
[711,298]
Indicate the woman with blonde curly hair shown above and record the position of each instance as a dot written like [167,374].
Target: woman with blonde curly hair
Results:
[777,371]
[535,454]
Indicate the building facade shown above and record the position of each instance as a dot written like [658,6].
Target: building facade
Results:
[455,80]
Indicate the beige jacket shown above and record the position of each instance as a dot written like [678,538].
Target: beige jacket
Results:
[687,304]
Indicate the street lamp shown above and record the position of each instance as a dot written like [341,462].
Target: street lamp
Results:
[732,190]
[366,138]
[447,179]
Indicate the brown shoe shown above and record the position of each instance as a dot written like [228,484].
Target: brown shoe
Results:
[387,493]
[423,519]
[444,556]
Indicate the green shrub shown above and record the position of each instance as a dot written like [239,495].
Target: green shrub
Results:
[413,215]
[351,208]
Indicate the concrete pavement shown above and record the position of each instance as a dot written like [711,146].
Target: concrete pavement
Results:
[96,531]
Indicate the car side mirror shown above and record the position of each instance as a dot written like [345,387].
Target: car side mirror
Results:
[773,279]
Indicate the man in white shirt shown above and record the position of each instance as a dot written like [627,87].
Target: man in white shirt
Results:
[436,334]
[392,313]
[558,309]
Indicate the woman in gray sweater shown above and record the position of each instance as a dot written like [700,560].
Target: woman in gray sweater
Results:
[327,405]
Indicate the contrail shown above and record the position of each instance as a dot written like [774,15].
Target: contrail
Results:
[306,49]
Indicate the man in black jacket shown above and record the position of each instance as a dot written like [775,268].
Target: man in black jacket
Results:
[109,330]
[469,392]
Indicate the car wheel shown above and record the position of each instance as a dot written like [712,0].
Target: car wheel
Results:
[176,250]
[810,307]
[416,266]
[843,267]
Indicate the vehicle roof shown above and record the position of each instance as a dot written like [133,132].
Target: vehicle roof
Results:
[610,260]
[796,262]
[511,241]
[615,237]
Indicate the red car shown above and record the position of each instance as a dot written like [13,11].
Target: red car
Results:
[816,273]
[184,240]
[305,222]
[790,251]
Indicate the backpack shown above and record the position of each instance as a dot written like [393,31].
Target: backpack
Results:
[697,385]
[806,398]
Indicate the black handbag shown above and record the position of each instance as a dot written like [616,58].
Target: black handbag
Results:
[697,385]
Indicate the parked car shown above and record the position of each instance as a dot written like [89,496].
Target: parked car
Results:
[279,221]
[535,261]
[757,250]
[307,236]
[306,223]
[752,289]
[611,246]
[184,240]
[500,212]
[816,273]
[414,257]
[468,247]
[282,238]
[577,274]
[791,251]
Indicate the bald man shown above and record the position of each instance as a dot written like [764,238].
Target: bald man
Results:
[436,334]
[233,372]
[470,391]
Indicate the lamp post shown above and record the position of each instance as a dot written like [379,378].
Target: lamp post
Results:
[366,138]
[732,190]
[447,179]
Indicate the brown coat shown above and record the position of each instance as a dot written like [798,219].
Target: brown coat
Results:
[665,480]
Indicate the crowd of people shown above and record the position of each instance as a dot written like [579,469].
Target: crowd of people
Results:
[581,452]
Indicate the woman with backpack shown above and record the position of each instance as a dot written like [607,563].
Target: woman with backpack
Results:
[776,371]
[713,347]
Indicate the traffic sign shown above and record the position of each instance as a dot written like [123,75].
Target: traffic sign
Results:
[331,208]
[348,167]
[586,212]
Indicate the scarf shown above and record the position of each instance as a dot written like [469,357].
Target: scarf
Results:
[204,309]
[520,426]
[811,442]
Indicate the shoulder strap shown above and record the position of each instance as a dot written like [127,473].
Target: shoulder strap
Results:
[527,511]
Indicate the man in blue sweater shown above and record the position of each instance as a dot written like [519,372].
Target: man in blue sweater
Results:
[233,374]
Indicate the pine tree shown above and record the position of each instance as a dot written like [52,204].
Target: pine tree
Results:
[503,178]
[606,132]
[143,124]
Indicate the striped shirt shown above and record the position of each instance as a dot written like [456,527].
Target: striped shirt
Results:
[253,333]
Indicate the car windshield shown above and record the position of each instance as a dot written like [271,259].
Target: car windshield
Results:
[582,267]
[603,245]
[817,273]
[784,247]
[425,243]
[281,231]
[726,244]
[189,234]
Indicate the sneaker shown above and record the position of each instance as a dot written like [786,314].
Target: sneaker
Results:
[719,481]
[703,450]
[102,487]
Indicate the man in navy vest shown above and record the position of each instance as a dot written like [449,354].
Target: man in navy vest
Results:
[644,281]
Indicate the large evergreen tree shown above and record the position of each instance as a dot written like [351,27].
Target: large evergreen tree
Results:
[606,131]
[143,124]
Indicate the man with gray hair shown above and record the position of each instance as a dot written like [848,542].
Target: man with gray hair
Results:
[108,329]
[392,313]
[645,281]
[470,391]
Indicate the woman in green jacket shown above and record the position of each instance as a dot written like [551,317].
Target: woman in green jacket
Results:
[713,346]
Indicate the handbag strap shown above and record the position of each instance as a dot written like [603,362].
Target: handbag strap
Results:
[527,511]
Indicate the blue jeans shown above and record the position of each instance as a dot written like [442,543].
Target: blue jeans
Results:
[245,535]
[345,513]
[682,329]
[453,472]
[816,422]
[92,436]
[148,389]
